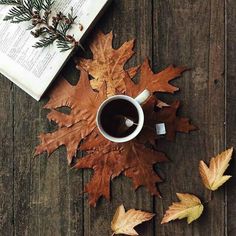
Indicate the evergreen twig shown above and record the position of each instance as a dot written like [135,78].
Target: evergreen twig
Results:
[39,13]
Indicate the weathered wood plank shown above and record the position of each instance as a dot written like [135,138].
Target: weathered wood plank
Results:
[6,157]
[231,110]
[26,113]
[47,193]
[75,178]
[42,196]
[128,19]
[191,33]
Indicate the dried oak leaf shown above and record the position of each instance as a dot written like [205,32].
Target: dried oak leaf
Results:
[153,82]
[109,160]
[124,222]
[83,102]
[108,64]
[213,176]
[148,134]
[141,171]
[189,206]
[168,115]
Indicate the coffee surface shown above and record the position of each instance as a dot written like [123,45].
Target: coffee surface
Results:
[113,118]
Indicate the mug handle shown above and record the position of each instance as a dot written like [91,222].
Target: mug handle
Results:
[142,97]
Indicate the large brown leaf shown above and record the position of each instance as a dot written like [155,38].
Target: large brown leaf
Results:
[153,82]
[84,103]
[141,169]
[167,115]
[107,63]
[109,160]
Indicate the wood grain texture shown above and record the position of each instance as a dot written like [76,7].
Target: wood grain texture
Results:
[191,33]
[47,194]
[231,110]
[43,196]
[6,157]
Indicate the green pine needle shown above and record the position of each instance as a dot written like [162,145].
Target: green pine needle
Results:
[38,12]
[10,2]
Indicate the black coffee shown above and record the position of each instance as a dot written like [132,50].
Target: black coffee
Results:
[114,115]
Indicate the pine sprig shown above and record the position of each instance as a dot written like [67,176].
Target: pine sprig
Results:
[44,42]
[20,13]
[10,2]
[64,45]
[38,13]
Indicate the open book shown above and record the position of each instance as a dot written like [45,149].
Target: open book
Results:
[34,69]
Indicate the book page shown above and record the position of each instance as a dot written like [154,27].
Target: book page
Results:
[33,69]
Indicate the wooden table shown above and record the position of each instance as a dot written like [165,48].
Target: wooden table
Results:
[43,196]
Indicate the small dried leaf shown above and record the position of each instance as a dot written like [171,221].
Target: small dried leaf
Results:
[124,222]
[213,176]
[189,206]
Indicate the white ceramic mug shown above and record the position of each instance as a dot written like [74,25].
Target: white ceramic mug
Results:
[136,102]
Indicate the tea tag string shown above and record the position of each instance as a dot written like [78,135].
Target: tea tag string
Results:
[159,128]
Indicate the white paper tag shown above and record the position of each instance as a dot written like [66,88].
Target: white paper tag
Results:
[160,129]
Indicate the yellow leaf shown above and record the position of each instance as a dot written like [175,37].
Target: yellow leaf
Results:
[189,206]
[213,176]
[124,222]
